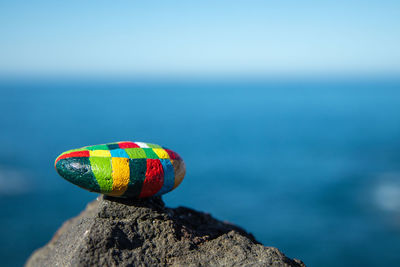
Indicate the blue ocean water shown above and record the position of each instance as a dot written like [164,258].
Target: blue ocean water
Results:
[309,166]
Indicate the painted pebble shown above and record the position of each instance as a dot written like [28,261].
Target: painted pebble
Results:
[123,169]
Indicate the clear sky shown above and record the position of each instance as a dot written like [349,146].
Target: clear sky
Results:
[218,37]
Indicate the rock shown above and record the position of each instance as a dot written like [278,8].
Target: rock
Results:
[122,232]
[123,169]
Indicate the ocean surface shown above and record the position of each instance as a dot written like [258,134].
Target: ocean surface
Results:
[311,166]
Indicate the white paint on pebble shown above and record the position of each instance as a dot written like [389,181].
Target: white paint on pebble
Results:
[142,145]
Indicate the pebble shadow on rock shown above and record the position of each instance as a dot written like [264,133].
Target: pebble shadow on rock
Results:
[120,232]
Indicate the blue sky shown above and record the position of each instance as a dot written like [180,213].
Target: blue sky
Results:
[210,37]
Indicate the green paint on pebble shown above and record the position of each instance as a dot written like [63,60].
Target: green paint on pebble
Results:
[137,171]
[79,172]
[153,145]
[102,170]
[135,153]
[73,150]
[97,147]
[150,154]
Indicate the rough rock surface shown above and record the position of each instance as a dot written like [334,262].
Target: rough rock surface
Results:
[115,232]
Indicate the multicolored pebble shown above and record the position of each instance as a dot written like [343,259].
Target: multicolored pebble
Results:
[123,169]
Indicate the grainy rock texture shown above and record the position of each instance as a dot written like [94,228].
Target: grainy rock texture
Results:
[115,232]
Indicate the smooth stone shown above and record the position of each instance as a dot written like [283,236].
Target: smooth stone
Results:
[123,169]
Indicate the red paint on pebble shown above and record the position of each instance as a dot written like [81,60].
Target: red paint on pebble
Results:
[75,154]
[173,155]
[128,145]
[154,178]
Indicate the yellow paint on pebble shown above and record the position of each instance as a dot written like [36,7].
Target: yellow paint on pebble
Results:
[179,170]
[100,153]
[120,175]
[161,153]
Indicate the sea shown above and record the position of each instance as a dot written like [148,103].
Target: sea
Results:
[308,165]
